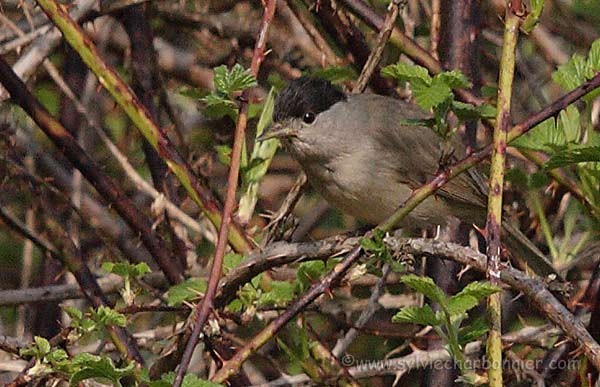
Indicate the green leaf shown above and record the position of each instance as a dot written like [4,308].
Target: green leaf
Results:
[537,6]
[569,122]
[231,261]
[427,287]
[308,273]
[473,331]
[190,380]
[546,137]
[96,367]
[224,154]
[280,294]
[58,358]
[574,156]
[478,289]
[336,74]
[404,72]
[454,79]
[573,73]
[193,92]
[376,246]
[417,315]
[431,96]
[458,305]
[594,56]
[469,297]
[106,316]
[73,312]
[218,106]
[188,290]
[126,269]
[38,349]
[466,111]
[229,81]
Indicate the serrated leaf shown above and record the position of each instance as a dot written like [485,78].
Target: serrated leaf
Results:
[473,331]
[231,261]
[126,269]
[218,106]
[417,315]
[487,111]
[454,79]
[72,312]
[230,81]
[431,96]
[404,72]
[569,121]
[427,287]
[458,305]
[108,316]
[573,73]
[478,290]
[465,111]
[594,56]
[543,137]
[188,290]
[537,6]
[57,357]
[574,156]
[38,349]
[280,294]
[42,344]
[190,380]
[96,367]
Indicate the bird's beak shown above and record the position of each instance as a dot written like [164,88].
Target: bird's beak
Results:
[277,131]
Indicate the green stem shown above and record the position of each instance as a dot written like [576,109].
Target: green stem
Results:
[140,116]
[497,170]
[546,231]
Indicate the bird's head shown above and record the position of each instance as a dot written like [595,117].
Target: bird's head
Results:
[298,106]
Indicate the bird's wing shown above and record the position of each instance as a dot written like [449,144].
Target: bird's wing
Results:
[424,147]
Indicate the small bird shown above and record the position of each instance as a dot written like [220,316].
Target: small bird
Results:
[364,156]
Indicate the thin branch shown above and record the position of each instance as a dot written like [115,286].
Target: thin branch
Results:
[494,214]
[74,262]
[382,38]
[233,365]
[343,343]
[41,48]
[140,116]
[205,307]
[533,288]
[92,172]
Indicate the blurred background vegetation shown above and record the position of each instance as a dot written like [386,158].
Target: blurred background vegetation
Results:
[166,51]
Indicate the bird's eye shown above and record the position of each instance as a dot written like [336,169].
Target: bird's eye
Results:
[309,117]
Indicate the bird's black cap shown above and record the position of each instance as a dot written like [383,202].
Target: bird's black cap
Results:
[305,95]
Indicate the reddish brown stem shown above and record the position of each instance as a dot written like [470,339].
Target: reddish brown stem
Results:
[206,305]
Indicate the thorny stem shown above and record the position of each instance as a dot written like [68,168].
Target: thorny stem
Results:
[205,307]
[494,216]
[140,116]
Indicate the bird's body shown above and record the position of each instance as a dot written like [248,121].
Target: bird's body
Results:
[366,153]
[369,174]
